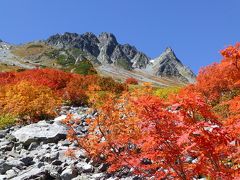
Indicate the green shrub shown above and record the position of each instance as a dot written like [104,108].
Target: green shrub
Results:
[35,46]
[85,67]
[6,121]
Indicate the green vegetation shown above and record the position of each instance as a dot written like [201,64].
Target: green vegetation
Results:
[6,121]
[85,67]
[123,63]
[65,60]
[35,46]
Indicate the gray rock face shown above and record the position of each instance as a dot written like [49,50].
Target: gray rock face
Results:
[87,42]
[40,132]
[104,48]
[168,65]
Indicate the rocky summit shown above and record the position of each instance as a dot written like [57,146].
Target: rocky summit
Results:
[168,65]
[105,50]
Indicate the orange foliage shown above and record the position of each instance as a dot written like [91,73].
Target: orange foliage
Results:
[176,139]
[36,93]
[219,78]
[26,101]
[154,138]
[71,87]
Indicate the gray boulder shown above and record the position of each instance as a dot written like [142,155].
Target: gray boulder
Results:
[40,132]
[84,167]
[68,173]
[9,164]
[33,173]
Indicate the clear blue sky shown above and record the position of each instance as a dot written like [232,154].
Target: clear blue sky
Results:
[195,29]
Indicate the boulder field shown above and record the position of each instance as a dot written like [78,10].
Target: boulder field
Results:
[37,151]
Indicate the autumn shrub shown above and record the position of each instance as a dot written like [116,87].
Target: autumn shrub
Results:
[219,78]
[131,81]
[28,101]
[165,92]
[74,93]
[177,138]
[6,121]
[157,139]
[108,84]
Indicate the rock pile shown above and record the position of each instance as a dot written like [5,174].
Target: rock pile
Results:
[37,151]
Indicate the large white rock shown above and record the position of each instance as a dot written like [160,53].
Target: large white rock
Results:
[40,132]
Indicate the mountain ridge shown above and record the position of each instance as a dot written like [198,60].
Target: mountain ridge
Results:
[106,50]
[107,55]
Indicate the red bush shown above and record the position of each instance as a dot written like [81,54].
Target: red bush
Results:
[131,81]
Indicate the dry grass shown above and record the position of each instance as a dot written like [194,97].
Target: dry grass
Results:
[31,49]
[7,68]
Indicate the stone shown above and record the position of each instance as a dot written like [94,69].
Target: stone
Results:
[68,173]
[84,167]
[11,173]
[3,133]
[33,146]
[27,160]
[103,167]
[40,132]
[33,173]
[80,153]
[51,156]
[3,177]
[65,142]
[39,164]
[6,146]
[57,162]
[59,119]
[9,164]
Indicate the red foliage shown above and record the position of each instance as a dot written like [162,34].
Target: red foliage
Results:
[131,81]
[177,139]
[71,87]
[215,80]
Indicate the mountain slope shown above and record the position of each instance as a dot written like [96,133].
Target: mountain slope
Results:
[109,58]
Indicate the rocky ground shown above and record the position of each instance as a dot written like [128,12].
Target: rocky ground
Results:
[37,151]
[6,57]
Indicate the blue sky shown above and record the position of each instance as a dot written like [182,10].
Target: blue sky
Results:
[196,29]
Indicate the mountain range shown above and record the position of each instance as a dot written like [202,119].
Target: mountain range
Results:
[107,56]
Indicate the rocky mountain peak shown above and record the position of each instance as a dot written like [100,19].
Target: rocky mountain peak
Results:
[105,50]
[168,65]
[107,38]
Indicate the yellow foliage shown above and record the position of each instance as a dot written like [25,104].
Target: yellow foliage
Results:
[165,92]
[28,101]
[6,120]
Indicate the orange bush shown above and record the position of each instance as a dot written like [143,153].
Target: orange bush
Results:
[28,101]
[219,78]
[108,84]
[149,136]
[72,88]
[180,138]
